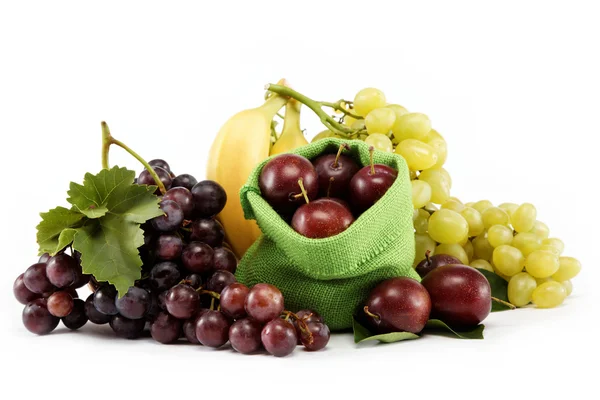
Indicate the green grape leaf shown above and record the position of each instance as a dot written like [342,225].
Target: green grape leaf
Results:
[57,229]
[499,290]
[362,334]
[104,225]
[112,191]
[436,326]
[109,243]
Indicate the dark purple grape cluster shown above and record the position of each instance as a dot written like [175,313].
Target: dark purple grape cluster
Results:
[188,287]
[48,290]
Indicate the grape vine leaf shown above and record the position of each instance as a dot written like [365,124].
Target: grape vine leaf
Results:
[57,229]
[109,244]
[437,326]
[362,334]
[107,190]
[499,290]
[104,225]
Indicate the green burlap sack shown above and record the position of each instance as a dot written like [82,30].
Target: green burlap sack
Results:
[332,276]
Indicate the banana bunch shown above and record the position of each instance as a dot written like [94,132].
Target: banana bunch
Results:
[241,144]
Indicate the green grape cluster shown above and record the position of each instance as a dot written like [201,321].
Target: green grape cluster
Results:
[507,240]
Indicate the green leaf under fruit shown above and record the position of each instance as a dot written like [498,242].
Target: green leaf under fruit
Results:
[56,230]
[499,290]
[437,326]
[362,334]
[104,225]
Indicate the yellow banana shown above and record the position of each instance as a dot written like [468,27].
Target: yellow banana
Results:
[292,136]
[242,143]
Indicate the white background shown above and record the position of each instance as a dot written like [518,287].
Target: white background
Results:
[514,88]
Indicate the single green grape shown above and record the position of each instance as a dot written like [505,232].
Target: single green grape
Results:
[469,250]
[430,207]
[549,295]
[508,260]
[539,281]
[482,205]
[380,142]
[482,248]
[440,185]
[445,174]
[474,220]
[558,244]
[456,199]
[541,230]
[482,264]
[418,155]
[411,126]
[454,250]
[520,289]
[495,216]
[541,264]
[499,235]
[367,100]
[568,285]
[527,242]
[358,125]
[523,218]
[437,141]
[380,120]
[453,205]
[323,135]
[448,227]
[551,249]
[421,193]
[568,268]
[509,208]
[421,222]
[398,110]
[423,244]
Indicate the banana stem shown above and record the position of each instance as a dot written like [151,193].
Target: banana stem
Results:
[108,140]
[291,122]
[316,106]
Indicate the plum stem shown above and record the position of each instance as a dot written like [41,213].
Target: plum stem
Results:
[331,179]
[506,303]
[301,184]
[371,151]
[343,146]
[427,256]
[370,314]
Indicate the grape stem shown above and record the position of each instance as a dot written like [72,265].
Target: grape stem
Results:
[506,303]
[304,331]
[212,294]
[108,140]
[371,151]
[317,107]
[338,106]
